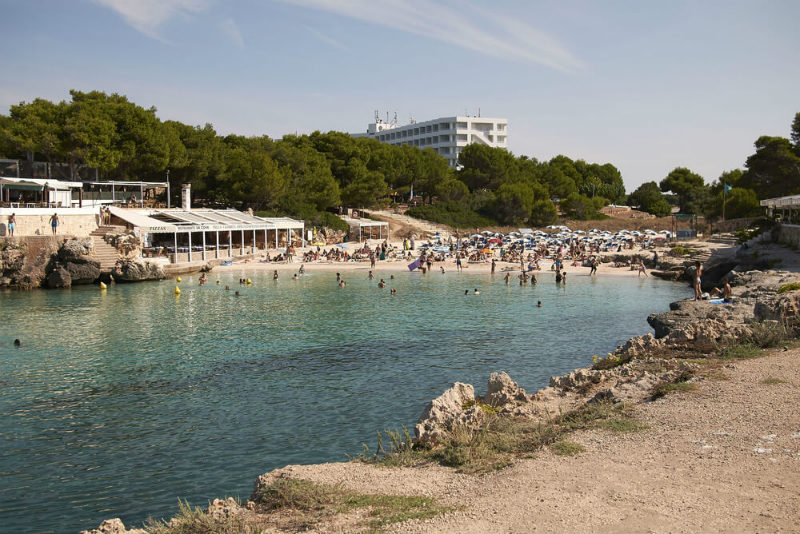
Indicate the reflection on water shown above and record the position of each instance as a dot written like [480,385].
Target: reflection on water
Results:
[121,401]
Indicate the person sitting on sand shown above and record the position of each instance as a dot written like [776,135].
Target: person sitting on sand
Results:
[727,292]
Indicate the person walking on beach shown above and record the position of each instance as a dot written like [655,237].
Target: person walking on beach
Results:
[594,267]
[698,273]
[12,224]
[459,267]
[54,223]
[641,269]
[494,264]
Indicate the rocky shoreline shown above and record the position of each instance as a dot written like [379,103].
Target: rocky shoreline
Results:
[688,332]
[57,262]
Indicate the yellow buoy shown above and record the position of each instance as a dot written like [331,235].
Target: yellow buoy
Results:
[217,282]
[103,286]
[249,281]
[177,290]
[178,279]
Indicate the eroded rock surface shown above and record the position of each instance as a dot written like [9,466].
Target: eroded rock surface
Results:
[137,270]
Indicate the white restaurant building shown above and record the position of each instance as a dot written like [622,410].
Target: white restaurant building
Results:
[447,135]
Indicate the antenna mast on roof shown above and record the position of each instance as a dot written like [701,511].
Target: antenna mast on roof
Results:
[394,120]
[377,117]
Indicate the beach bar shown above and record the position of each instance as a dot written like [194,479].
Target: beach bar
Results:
[789,208]
[202,234]
[367,228]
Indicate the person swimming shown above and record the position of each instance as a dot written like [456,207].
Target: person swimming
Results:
[539,304]
[477,292]
[382,283]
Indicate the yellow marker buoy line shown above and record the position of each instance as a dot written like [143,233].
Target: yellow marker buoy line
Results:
[177,290]
[103,286]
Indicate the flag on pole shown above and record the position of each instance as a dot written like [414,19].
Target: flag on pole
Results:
[727,187]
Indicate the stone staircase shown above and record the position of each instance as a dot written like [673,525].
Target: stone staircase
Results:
[103,252]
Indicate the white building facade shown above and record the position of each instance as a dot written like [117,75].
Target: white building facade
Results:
[447,135]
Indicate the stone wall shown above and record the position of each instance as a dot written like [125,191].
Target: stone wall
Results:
[36,221]
[789,234]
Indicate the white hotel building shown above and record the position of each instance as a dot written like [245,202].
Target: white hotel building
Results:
[448,135]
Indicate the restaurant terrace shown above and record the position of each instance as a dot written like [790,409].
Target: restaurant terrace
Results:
[200,234]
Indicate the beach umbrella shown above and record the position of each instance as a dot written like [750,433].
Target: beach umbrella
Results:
[495,240]
[486,232]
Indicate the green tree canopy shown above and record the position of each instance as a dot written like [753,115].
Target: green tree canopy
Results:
[774,170]
[690,187]
[648,197]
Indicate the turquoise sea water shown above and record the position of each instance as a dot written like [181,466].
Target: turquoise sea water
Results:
[121,401]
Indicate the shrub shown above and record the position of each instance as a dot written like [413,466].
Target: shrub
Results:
[453,214]
[767,334]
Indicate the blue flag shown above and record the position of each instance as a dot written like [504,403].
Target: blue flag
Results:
[727,187]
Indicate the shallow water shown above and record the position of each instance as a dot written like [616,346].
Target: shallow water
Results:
[121,401]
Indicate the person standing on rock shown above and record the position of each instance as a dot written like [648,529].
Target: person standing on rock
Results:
[54,223]
[698,273]
[12,224]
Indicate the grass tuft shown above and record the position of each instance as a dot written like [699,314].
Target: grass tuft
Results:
[771,381]
[567,448]
[319,500]
[740,351]
[785,288]
[196,521]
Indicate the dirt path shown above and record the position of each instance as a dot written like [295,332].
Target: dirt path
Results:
[402,226]
[722,458]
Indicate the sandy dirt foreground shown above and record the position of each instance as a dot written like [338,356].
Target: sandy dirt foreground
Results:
[722,458]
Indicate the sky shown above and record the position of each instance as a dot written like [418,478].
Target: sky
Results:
[645,85]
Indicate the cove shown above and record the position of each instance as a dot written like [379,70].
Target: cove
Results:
[121,401]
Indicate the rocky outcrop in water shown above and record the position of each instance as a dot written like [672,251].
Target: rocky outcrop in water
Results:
[137,270]
[72,265]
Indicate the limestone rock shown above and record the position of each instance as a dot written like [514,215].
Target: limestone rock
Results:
[440,414]
[502,390]
[59,278]
[75,249]
[221,509]
[113,526]
[575,379]
[83,271]
[137,270]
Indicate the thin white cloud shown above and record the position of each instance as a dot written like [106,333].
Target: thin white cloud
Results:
[326,39]
[147,15]
[230,29]
[458,23]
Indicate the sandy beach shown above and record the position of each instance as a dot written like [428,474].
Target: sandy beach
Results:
[254,263]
